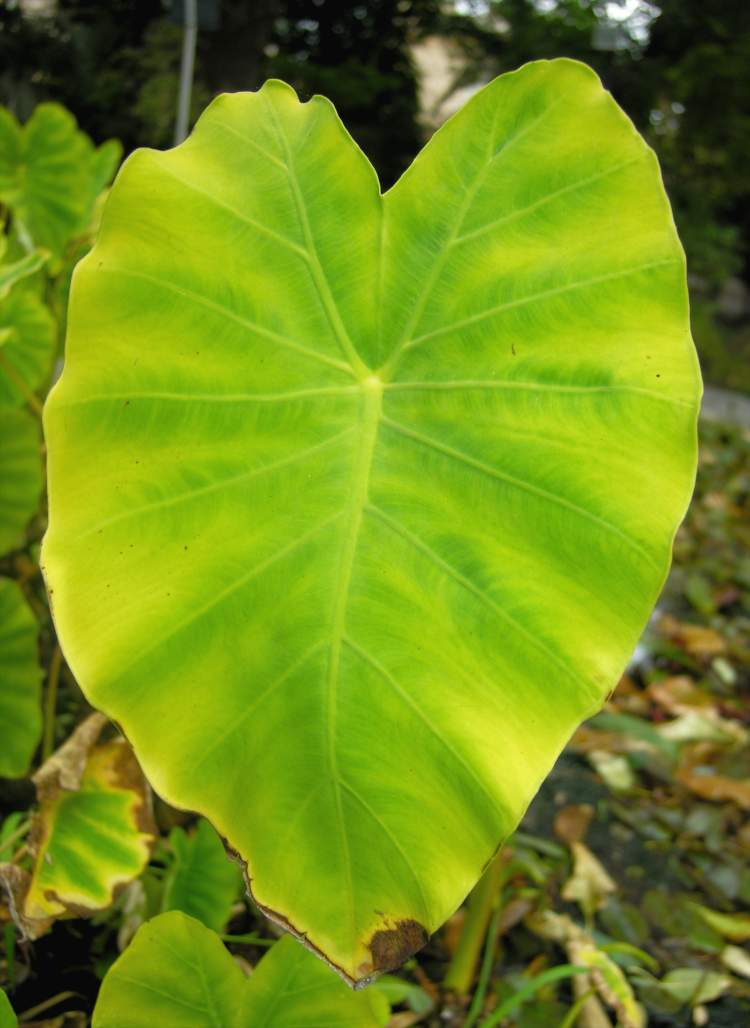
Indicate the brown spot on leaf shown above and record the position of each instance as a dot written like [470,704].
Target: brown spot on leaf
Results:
[390,947]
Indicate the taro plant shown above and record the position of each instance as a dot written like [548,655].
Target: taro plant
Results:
[360,502]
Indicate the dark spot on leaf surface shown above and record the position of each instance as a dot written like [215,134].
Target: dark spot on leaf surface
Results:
[391,947]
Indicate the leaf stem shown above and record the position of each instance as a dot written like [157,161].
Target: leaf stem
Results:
[481,902]
[488,959]
[554,974]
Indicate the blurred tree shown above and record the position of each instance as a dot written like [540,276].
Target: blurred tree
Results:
[698,61]
[115,65]
[680,69]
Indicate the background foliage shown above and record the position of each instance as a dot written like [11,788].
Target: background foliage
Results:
[679,68]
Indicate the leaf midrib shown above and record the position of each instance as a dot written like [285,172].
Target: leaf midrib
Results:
[372,397]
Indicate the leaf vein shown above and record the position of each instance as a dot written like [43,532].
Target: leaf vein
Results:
[519,483]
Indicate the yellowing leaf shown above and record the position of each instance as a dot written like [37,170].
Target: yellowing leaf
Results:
[91,838]
[589,884]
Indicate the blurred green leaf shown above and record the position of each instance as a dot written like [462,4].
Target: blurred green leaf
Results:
[202,881]
[50,175]
[20,474]
[8,1018]
[398,990]
[27,342]
[20,683]
[20,269]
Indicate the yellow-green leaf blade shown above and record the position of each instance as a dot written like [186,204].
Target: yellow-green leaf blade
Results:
[376,506]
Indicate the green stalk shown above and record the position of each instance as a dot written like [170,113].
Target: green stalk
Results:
[485,972]
[15,836]
[572,1015]
[554,974]
[482,901]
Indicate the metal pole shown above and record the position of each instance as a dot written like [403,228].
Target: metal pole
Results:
[186,70]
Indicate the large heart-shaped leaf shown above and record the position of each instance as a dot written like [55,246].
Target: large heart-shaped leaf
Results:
[176,972]
[20,680]
[360,503]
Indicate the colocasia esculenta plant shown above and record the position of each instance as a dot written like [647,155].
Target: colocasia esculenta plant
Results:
[359,502]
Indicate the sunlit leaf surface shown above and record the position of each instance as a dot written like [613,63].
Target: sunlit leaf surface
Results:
[359,503]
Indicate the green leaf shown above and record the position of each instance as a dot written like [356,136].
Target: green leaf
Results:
[91,835]
[8,1018]
[360,504]
[176,972]
[27,343]
[679,988]
[20,474]
[50,175]
[731,926]
[20,269]
[202,881]
[20,681]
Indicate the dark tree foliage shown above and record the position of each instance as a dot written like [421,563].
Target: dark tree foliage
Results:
[684,78]
[116,64]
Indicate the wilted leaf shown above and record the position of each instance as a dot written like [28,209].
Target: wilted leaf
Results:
[87,839]
[589,884]
[697,640]
[572,822]
[20,679]
[177,973]
[202,880]
[704,782]
[610,982]
[679,695]
[705,726]
[605,975]
[20,474]
[276,375]
[615,769]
